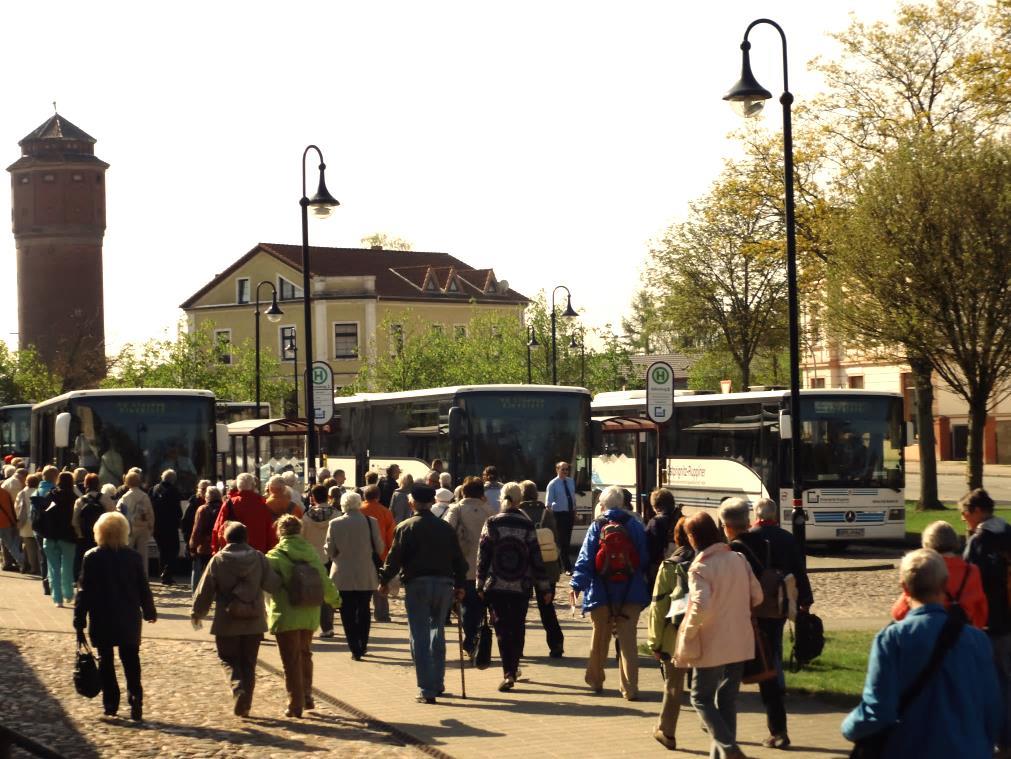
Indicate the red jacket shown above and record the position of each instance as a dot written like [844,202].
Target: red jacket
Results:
[972,600]
[248,507]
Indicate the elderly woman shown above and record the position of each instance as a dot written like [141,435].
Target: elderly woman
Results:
[279,498]
[399,504]
[353,544]
[246,506]
[234,582]
[136,506]
[957,709]
[113,597]
[509,566]
[965,584]
[59,540]
[23,509]
[198,499]
[199,540]
[716,636]
[294,625]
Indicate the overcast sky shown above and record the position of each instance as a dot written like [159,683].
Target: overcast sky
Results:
[549,140]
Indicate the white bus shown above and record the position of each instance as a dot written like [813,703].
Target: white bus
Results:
[15,430]
[110,431]
[721,445]
[523,430]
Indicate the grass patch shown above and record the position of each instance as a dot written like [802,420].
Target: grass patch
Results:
[916,521]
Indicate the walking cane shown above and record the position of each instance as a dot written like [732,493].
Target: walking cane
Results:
[459,637]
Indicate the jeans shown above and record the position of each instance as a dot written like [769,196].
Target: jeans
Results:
[60,561]
[509,613]
[428,600]
[295,648]
[238,660]
[472,610]
[129,656]
[549,619]
[563,529]
[773,691]
[714,696]
[199,564]
[1002,659]
[11,538]
[355,619]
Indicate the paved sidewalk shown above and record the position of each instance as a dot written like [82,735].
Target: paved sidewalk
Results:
[551,712]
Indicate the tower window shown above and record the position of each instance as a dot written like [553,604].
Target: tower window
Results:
[24,180]
[98,179]
[77,177]
[48,177]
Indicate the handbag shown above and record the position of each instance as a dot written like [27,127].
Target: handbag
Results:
[873,746]
[546,540]
[86,679]
[763,666]
[372,547]
[482,657]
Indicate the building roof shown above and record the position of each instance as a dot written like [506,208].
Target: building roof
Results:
[399,275]
[56,127]
[56,142]
[679,362]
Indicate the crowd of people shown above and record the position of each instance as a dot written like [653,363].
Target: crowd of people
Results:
[717,592]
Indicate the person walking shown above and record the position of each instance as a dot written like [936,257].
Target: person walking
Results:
[660,530]
[167,503]
[560,497]
[716,637]
[353,545]
[773,555]
[279,500]
[87,509]
[371,507]
[198,499]
[614,590]
[400,505]
[509,567]
[235,580]
[315,524]
[113,598]
[467,518]
[23,509]
[388,485]
[294,625]
[965,586]
[136,506]
[543,518]
[10,535]
[249,507]
[59,541]
[427,556]
[443,498]
[492,486]
[199,542]
[670,600]
[953,708]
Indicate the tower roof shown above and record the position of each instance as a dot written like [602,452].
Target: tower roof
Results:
[56,141]
[56,127]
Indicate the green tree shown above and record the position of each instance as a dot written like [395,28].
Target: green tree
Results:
[24,378]
[385,241]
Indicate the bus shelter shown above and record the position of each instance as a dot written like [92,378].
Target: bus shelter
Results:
[280,441]
[627,457]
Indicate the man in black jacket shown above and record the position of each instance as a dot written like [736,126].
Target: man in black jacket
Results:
[167,503]
[768,546]
[388,484]
[989,548]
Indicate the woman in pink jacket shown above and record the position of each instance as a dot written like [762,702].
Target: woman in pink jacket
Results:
[716,636]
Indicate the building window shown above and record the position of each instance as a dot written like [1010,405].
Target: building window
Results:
[817,383]
[459,331]
[345,340]
[438,330]
[286,290]
[452,287]
[396,339]
[223,341]
[855,382]
[287,335]
[24,180]
[242,290]
[48,178]
[77,177]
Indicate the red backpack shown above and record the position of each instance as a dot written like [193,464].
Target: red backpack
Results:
[617,558]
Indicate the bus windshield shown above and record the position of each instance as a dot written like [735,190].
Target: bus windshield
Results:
[525,435]
[110,435]
[15,430]
[854,440]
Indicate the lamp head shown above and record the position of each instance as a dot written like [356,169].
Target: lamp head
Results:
[572,342]
[532,342]
[289,344]
[322,204]
[570,312]
[747,97]
[274,313]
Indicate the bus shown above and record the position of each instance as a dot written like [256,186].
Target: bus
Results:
[15,430]
[227,412]
[110,431]
[524,430]
[722,445]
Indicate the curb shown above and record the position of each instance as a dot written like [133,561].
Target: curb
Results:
[861,568]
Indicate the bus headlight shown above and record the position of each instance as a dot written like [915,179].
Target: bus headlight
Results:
[896,515]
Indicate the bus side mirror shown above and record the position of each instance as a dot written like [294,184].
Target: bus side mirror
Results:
[61,430]
[910,433]
[457,417]
[596,438]
[221,437]
[785,426]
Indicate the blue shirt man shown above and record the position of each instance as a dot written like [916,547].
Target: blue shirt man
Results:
[561,499]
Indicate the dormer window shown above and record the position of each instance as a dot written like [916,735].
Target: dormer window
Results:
[431,286]
[452,287]
[287,290]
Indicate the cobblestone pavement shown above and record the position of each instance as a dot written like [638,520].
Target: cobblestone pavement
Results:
[855,600]
[187,708]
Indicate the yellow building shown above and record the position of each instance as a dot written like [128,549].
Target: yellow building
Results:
[354,292]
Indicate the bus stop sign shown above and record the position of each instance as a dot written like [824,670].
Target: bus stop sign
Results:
[322,392]
[660,392]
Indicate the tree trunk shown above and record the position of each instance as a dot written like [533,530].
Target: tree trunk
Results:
[925,429]
[745,376]
[974,454]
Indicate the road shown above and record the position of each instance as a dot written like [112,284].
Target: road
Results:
[951,486]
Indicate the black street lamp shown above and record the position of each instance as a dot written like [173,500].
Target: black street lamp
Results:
[274,314]
[569,312]
[291,346]
[531,343]
[582,355]
[748,98]
[322,205]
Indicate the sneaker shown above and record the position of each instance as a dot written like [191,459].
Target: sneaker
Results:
[777,740]
[556,653]
[425,699]
[326,634]
[59,604]
[292,713]
[507,684]
[46,590]
[667,741]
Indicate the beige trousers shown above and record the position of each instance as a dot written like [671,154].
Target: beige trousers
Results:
[620,625]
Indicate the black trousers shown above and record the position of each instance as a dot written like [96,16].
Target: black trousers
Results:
[129,656]
[356,620]
[509,612]
[563,528]
[168,552]
[773,691]
[238,660]
[549,619]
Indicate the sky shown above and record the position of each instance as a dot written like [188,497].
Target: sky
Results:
[548,140]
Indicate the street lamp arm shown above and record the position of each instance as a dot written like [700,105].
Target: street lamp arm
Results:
[261,284]
[782,34]
[322,167]
[555,291]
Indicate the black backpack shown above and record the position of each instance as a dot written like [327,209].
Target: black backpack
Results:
[90,512]
[808,640]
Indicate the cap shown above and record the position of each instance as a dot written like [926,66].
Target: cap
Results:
[423,494]
[443,495]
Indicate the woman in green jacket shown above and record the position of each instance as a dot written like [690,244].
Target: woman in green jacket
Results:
[670,589]
[294,625]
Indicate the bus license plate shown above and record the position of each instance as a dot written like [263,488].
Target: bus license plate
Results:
[850,532]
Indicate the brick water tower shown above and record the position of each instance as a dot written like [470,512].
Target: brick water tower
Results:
[58,214]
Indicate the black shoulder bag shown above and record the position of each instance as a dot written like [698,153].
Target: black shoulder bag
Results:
[873,746]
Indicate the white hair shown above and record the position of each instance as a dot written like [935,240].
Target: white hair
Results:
[734,513]
[169,475]
[351,502]
[289,478]
[941,537]
[613,497]
[275,482]
[923,573]
[445,480]
[112,530]
[766,509]
[245,481]
[109,489]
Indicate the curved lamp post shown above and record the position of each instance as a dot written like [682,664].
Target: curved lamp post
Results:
[569,313]
[322,205]
[748,97]
[274,314]
[531,343]
[581,344]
